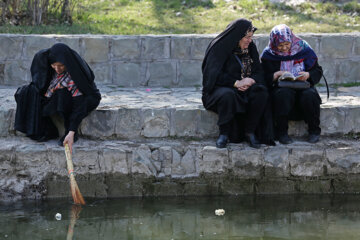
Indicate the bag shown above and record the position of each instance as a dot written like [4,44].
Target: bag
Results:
[294,84]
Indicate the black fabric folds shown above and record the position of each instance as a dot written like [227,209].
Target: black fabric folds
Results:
[30,99]
[220,68]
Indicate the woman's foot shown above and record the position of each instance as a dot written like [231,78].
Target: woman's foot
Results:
[313,138]
[285,139]
[251,139]
[222,141]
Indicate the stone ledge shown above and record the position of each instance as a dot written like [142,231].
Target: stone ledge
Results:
[138,113]
[173,167]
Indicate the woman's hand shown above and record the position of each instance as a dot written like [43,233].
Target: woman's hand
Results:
[305,76]
[277,75]
[69,139]
[244,84]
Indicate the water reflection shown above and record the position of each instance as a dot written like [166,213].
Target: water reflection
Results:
[247,217]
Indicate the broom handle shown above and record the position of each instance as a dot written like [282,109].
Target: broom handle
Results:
[69,161]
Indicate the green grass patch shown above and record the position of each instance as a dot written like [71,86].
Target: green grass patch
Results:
[129,17]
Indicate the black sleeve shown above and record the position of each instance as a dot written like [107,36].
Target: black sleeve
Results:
[81,107]
[224,78]
[78,112]
[257,72]
[269,67]
[315,74]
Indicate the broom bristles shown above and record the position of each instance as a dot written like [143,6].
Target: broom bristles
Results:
[75,191]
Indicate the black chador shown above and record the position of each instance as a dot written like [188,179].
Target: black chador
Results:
[240,112]
[34,106]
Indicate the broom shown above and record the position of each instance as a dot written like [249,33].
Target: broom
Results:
[75,191]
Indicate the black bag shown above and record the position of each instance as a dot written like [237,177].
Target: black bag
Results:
[294,84]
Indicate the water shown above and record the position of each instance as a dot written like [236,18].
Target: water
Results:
[247,217]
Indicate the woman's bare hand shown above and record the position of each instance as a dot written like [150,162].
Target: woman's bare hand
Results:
[277,75]
[305,76]
[69,139]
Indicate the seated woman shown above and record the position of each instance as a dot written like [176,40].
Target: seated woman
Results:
[233,85]
[288,53]
[63,84]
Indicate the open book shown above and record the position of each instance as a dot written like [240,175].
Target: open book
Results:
[288,76]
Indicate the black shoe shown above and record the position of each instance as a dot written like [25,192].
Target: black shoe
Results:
[251,139]
[222,141]
[46,138]
[313,138]
[285,139]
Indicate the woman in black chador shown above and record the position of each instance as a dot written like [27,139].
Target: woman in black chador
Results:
[63,84]
[234,88]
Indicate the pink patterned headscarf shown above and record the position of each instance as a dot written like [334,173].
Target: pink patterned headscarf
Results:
[282,33]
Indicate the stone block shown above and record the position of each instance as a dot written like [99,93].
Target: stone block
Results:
[114,160]
[207,124]
[72,41]
[199,45]
[182,166]
[11,47]
[17,73]
[165,157]
[352,124]
[33,44]
[7,119]
[129,123]
[180,47]
[2,73]
[333,120]
[357,46]
[330,46]
[343,160]
[119,185]
[126,47]
[96,49]
[100,124]
[235,186]
[329,67]
[297,128]
[161,74]
[275,186]
[102,72]
[189,73]
[127,74]
[313,41]
[214,160]
[154,47]
[277,162]
[350,184]
[183,123]
[86,160]
[261,41]
[314,186]
[349,71]
[156,123]
[141,161]
[305,161]
[246,163]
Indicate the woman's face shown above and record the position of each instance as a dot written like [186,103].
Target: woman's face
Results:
[245,41]
[58,67]
[284,47]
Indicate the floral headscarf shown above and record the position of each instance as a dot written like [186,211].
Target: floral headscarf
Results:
[300,57]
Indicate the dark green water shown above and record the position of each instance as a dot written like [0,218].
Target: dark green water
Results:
[247,217]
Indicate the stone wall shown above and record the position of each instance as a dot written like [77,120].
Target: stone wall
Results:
[166,60]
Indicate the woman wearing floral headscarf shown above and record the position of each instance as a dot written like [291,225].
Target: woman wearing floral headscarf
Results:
[289,53]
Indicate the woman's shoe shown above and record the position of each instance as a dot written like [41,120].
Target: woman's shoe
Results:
[285,139]
[222,141]
[251,139]
[313,138]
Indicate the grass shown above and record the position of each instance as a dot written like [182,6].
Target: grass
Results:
[129,17]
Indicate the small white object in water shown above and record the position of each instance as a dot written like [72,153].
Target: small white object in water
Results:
[219,212]
[58,216]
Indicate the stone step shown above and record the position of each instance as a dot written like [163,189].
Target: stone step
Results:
[138,113]
[156,167]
